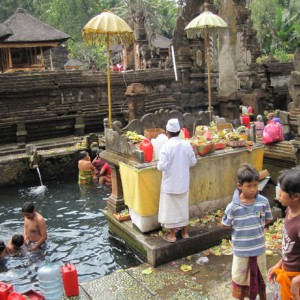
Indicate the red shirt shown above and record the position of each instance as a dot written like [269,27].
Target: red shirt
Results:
[291,244]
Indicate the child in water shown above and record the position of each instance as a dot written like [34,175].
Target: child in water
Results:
[287,270]
[246,216]
[15,244]
[3,251]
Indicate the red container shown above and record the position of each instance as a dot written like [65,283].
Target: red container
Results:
[15,296]
[250,109]
[70,280]
[5,289]
[33,295]
[245,120]
[147,147]
[186,133]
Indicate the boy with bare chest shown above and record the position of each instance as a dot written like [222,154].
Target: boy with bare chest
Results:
[35,231]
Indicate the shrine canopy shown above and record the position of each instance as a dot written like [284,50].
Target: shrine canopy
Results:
[23,40]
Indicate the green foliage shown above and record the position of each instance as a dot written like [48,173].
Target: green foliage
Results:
[70,16]
[279,55]
[277,24]
[160,15]
[92,55]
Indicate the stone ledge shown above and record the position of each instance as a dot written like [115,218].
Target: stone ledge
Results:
[155,250]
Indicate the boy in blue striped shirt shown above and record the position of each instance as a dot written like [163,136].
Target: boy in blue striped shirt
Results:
[246,215]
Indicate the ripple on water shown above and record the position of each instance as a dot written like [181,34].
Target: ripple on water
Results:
[77,233]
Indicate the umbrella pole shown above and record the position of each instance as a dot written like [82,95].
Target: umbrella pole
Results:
[108,81]
[208,74]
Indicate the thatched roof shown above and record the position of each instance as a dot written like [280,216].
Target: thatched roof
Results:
[26,28]
[4,31]
[161,42]
[73,62]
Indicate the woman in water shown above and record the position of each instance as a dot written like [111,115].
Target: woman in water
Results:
[85,168]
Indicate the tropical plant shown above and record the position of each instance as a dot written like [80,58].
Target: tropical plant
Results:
[277,23]
[159,15]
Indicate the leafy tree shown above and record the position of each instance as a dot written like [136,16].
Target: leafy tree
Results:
[277,24]
[160,15]
[70,16]
[34,7]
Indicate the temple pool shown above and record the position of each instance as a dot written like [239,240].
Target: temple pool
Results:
[77,233]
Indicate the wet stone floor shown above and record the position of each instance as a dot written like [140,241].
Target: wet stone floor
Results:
[210,281]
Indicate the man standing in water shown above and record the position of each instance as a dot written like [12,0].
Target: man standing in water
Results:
[35,232]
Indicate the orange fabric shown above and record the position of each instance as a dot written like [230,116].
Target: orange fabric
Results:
[283,278]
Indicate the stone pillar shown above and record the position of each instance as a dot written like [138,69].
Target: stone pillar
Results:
[21,133]
[228,80]
[79,126]
[115,201]
[298,125]
[136,94]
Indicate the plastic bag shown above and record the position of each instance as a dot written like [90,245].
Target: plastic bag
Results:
[272,133]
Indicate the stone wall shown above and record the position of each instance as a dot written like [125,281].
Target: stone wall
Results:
[59,57]
[51,104]
[236,77]
[42,105]
[55,164]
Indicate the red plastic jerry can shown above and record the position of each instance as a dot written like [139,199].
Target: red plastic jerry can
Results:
[186,133]
[245,120]
[5,289]
[70,280]
[15,296]
[147,147]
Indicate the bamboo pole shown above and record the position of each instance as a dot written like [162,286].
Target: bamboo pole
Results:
[208,73]
[108,81]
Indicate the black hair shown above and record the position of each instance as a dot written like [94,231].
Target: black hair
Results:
[17,240]
[246,173]
[2,245]
[174,133]
[82,154]
[28,207]
[98,152]
[289,180]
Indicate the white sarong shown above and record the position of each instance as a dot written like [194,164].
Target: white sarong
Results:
[241,271]
[173,210]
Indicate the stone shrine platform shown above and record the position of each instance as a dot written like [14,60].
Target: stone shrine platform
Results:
[153,249]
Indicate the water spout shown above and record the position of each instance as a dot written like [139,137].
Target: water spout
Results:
[39,173]
[33,159]
[34,163]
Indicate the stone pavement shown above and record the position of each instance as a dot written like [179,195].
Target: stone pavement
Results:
[210,281]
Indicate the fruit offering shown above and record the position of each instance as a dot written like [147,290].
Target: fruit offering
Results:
[134,137]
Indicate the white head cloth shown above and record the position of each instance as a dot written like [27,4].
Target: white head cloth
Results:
[173,125]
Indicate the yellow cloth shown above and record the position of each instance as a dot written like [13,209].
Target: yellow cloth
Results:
[85,177]
[283,278]
[141,189]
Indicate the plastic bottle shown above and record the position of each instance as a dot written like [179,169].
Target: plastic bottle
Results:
[158,143]
[50,280]
[5,289]
[147,147]
[250,109]
[70,280]
[244,110]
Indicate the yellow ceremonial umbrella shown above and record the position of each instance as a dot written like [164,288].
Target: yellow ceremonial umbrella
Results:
[110,29]
[203,25]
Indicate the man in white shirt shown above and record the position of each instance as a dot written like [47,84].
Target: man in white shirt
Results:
[175,159]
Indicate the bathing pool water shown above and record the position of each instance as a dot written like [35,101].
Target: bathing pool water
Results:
[77,232]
